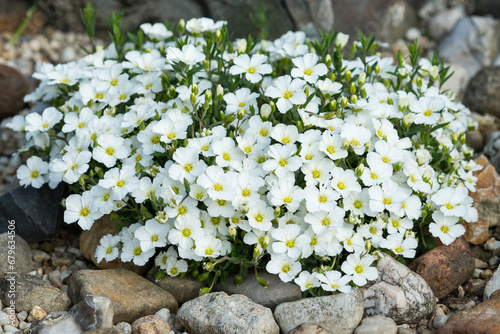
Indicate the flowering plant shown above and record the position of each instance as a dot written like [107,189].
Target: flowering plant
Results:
[221,156]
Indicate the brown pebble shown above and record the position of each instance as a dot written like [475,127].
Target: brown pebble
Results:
[36,313]
[13,87]
[62,261]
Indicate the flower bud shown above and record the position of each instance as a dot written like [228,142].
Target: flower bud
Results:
[192,98]
[277,211]
[368,245]
[241,113]
[195,89]
[363,93]
[262,282]
[256,252]
[354,99]
[241,45]
[362,79]
[419,82]
[359,170]
[202,277]
[345,144]
[232,231]
[408,119]
[328,60]
[353,87]
[208,95]
[434,72]
[387,83]
[343,102]
[347,75]
[204,291]
[218,36]
[219,92]
[181,26]
[341,40]
[403,72]
[333,77]
[265,111]
[273,106]
[209,266]
[377,69]
[398,167]
[238,279]
[329,115]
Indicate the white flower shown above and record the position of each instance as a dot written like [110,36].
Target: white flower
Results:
[33,172]
[357,136]
[396,244]
[253,68]
[331,145]
[329,87]
[110,149]
[242,99]
[388,197]
[333,280]
[446,228]
[307,67]
[260,216]
[288,240]
[82,209]
[189,55]
[108,248]
[284,266]
[173,126]
[45,122]
[122,181]
[452,200]
[359,268]
[323,220]
[427,109]
[307,280]
[188,164]
[288,92]
[282,160]
[218,184]
[156,31]
[152,235]
[132,251]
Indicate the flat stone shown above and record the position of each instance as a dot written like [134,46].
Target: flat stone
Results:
[377,324]
[492,285]
[473,43]
[90,239]
[132,296]
[219,313]
[445,268]
[31,291]
[339,313]
[484,318]
[93,312]
[151,324]
[37,212]
[309,328]
[13,87]
[183,289]
[271,296]
[398,293]
[18,260]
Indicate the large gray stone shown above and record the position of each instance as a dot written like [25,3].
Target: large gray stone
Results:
[218,313]
[473,43]
[377,324]
[93,312]
[398,293]
[36,211]
[492,285]
[18,260]
[133,296]
[32,291]
[339,313]
[271,296]
[483,92]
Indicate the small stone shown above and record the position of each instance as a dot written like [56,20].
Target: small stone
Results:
[412,34]
[444,268]
[164,313]
[40,256]
[10,329]
[151,324]
[55,278]
[494,260]
[485,274]
[62,261]
[480,264]
[492,245]
[477,273]
[132,295]
[56,323]
[125,327]
[398,293]
[32,291]
[22,254]
[4,319]
[402,330]
[217,312]
[476,282]
[484,318]
[377,324]
[309,328]
[439,320]
[93,312]
[339,313]
[36,313]
[492,285]
[22,315]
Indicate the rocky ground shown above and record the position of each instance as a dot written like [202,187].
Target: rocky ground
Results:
[451,289]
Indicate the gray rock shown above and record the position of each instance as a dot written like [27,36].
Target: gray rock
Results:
[457,83]
[164,313]
[492,285]
[183,289]
[56,323]
[402,330]
[105,331]
[276,293]
[473,43]
[431,8]
[237,15]
[443,22]
[125,327]
[311,16]
[93,312]
[309,328]
[398,293]
[219,313]
[339,313]
[32,291]
[377,324]
[14,254]
[440,320]
[132,296]
[492,147]
[36,211]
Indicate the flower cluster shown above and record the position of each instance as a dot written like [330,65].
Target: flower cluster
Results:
[220,156]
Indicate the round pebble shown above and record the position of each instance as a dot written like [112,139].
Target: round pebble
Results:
[4,319]
[440,320]
[125,327]
[164,313]
[22,315]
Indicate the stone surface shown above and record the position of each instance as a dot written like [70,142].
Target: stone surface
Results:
[90,239]
[36,313]
[457,83]
[132,295]
[183,289]
[492,285]
[32,291]
[486,199]
[18,261]
[492,149]
[398,293]
[219,313]
[482,94]
[311,16]
[309,328]
[440,320]
[56,323]
[475,139]
[442,23]
[105,331]
[276,293]
[13,87]
[151,324]
[339,313]
[487,7]
[36,211]
[377,324]
[484,318]
[93,312]
[237,15]
[473,43]
[445,268]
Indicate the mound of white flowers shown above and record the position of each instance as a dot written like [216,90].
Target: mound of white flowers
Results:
[218,157]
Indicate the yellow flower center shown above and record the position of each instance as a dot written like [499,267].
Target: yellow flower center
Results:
[341,185]
[428,112]
[137,251]
[264,132]
[174,271]
[226,156]
[357,204]
[387,201]
[246,192]
[287,199]
[283,162]
[154,238]
[285,140]
[186,232]
[358,269]
[114,82]
[209,251]
[84,212]
[182,210]
[398,250]
[120,183]
[330,149]
[218,187]
[309,156]
[251,70]
[449,206]
[316,174]
[188,167]
[308,71]
[286,268]
[34,174]
[287,95]
[110,151]
[322,198]
[259,218]
[445,229]
[109,250]
[325,222]
[290,243]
